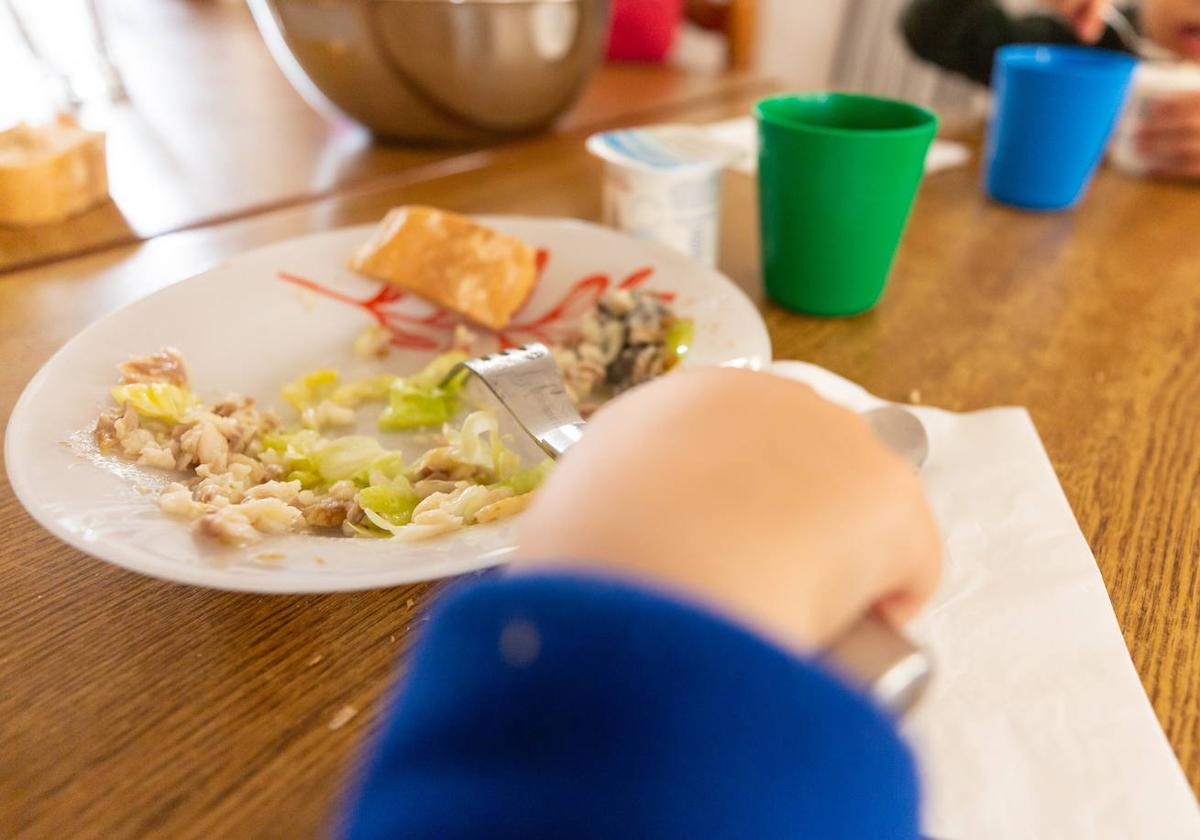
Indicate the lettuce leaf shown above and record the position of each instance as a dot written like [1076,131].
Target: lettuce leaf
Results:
[295,446]
[467,442]
[391,505]
[478,443]
[156,400]
[412,406]
[314,460]
[526,481]
[505,461]
[387,469]
[369,530]
[310,389]
[420,400]
[299,451]
[347,457]
[438,369]
[466,502]
[307,478]
[374,389]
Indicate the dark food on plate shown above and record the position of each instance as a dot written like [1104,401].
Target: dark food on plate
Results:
[629,338]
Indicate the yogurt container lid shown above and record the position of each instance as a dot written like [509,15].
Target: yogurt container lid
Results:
[664,150]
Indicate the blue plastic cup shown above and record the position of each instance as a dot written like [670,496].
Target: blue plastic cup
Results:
[1055,109]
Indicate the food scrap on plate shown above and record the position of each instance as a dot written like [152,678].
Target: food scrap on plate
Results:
[246,473]
[451,261]
[250,475]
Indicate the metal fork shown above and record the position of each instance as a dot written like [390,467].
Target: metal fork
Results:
[527,383]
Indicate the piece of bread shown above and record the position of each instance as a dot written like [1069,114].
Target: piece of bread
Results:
[451,261]
[49,173]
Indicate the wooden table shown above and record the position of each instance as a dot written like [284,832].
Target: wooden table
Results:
[213,131]
[132,706]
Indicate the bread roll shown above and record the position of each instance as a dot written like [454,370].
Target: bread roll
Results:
[49,173]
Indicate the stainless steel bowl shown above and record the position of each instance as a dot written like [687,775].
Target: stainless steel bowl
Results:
[437,71]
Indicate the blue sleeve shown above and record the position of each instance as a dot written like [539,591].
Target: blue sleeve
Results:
[571,707]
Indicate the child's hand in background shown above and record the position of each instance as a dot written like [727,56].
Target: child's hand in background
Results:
[1086,17]
[1170,136]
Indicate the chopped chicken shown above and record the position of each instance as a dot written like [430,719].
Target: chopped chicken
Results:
[326,414]
[343,491]
[135,441]
[164,366]
[153,455]
[229,525]
[177,500]
[327,513]
[443,464]
[205,441]
[428,486]
[463,340]
[373,342]
[503,508]
[243,524]
[285,491]
[105,433]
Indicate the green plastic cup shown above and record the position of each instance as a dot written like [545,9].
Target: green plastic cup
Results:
[837,174]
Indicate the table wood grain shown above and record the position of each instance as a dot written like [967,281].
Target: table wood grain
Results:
[213,131]
[136,707]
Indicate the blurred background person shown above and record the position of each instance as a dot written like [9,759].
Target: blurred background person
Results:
[962,36]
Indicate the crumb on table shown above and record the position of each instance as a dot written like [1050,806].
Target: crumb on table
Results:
[341,717]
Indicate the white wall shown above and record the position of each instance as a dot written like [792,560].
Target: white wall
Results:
[799,39]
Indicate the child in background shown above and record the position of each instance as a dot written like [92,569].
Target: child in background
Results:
[963,35]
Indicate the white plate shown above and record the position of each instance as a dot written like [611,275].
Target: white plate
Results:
[243,328]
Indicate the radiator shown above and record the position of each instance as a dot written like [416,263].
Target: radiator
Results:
[873,58]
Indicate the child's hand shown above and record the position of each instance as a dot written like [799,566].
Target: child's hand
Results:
[1170,136]
[1086,17]
[747,492]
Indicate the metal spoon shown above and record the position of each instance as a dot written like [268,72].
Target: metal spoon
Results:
[895,669]
[901,432]
[1132,40]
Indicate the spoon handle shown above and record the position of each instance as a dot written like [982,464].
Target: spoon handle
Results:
[874,655]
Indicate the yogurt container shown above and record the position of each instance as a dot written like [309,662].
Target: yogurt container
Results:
[664,183]
[1152,81]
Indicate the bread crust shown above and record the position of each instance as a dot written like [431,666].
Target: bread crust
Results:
[451,261]
[50,173]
